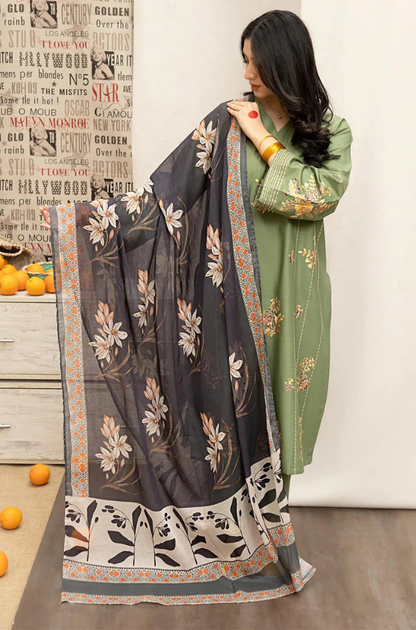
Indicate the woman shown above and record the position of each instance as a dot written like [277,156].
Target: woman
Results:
[168,307]
[292,104]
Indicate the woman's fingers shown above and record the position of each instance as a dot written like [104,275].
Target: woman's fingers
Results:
[45,213]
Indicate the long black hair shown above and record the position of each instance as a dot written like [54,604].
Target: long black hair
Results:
[285,61]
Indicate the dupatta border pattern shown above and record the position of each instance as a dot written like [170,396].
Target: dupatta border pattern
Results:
[97,580]
[78,471]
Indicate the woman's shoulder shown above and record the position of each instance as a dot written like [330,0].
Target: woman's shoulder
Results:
[336,123]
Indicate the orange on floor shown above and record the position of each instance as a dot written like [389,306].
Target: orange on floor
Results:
[3,563]
[39,474]
[10,518]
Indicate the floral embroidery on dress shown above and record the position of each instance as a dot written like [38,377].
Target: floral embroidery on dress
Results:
[272,318]
[189,339]
[155,418]
[298,311]
[234,366]
[310,256]
[292,256]
[147,288]
[289,384]
[206,139]
[215,246]
[110,334]
[303,381]
[309,201]
[104,216]
[116,447]
[218,456]
[171,217]
[134,198]
[214,439]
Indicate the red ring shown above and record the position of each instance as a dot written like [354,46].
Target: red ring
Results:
[253,114]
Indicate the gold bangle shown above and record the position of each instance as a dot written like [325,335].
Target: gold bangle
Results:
[273,148]
[268,136]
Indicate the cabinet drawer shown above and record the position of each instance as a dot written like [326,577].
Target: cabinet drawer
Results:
[28,340]
[35,417]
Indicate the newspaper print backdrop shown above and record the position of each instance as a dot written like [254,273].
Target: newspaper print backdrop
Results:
[66,71]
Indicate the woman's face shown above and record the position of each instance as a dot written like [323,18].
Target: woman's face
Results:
[256,84]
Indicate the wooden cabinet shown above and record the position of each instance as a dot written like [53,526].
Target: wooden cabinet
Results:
[31,406]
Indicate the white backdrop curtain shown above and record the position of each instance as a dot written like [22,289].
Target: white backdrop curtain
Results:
[187,60]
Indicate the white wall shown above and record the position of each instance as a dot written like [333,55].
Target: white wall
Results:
[187,60]
[366,451]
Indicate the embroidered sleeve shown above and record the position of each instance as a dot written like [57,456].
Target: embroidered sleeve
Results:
[300,191]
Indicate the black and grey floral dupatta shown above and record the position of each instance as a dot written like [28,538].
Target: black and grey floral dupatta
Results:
[174,489]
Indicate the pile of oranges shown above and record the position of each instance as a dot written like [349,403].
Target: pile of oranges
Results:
[13,280]
[11,517]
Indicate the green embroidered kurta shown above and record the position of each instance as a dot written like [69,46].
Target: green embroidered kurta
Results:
[289,201]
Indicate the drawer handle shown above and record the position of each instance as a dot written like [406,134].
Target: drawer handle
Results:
[5,426]
[7,340]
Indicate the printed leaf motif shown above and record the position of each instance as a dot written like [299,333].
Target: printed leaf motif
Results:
[170,561]
[135,516]
[119,538]
[168,544]
[74,533]
[206,553]
[273,518]
[199,539]
[226,538]
[237,552]
[149,520]
[233,509]
[268,498]
[70,553]
[179,517]
[120,557]
[90,512]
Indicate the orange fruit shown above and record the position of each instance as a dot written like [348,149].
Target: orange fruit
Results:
[35,286]
[50,285]
[22,278]
[9,269]
[9,284]
[50,272]
[10,518]
[35,267]
[3,563]
[39,474]
[2,262]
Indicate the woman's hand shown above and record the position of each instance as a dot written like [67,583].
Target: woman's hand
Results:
[45,212]
[248,117]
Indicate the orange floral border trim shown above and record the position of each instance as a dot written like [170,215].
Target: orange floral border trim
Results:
[73,349]
[299,580]
[243,258]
